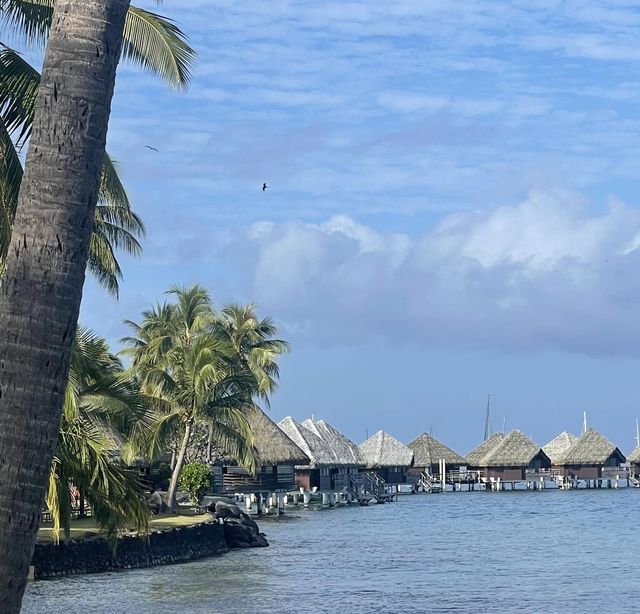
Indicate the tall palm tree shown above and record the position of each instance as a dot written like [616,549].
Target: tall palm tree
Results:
[42,287]
[253,342]
[194,376]
[103,412]
[150,41]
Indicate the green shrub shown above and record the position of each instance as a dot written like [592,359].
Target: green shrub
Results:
[196,480]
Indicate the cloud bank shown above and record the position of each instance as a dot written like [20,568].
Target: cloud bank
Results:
[547,273]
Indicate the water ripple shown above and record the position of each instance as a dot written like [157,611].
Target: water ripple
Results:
[462,553]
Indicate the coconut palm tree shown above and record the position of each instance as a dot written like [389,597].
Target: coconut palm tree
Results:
[256,349]
[103,412]
[42,286]
[253,342]
[150,41]
[194,375]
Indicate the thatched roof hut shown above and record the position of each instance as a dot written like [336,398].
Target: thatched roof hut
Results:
[383,450]
[591,448]
[634,457]
[514,450]
[559,446]
[272,445]
[480,451]
[319,452]
[428,451]
[347,452]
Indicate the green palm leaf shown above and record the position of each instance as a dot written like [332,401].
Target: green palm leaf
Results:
[10,179]
[158,45]
[19,83]
[150,40]
[32,18]
[103,410]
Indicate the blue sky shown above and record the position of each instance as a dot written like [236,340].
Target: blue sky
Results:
[453,207]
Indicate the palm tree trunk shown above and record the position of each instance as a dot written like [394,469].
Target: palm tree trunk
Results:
[210,443]
[174,452]
[40,294]
[173,485]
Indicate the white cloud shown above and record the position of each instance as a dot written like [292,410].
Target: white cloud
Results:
[545,273]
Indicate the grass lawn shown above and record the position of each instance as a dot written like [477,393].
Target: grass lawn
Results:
[86,527]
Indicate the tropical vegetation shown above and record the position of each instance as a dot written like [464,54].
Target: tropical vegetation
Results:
[106,425]
[62,391]
[155,43]
[150,41]
[195,375]
[196,480]
[49,249]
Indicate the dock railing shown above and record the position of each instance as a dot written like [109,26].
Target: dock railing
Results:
[465,476]
[612,473]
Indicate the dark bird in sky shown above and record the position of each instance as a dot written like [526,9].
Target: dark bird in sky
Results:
[264,186]
[151,148]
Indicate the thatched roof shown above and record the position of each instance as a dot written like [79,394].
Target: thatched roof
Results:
[272,445]
[382,450]
[347,452]
[429,451]
[318,451]
[634,457]
[559,446]
[480,451]
[515,450]
[591,448]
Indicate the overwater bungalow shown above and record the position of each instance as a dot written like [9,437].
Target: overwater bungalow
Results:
[348,453]
[389,458]
[277,456]
[634,460]
[480,451]
[590,457]
[513,459]
[558,447]
[324,462]
[427,454]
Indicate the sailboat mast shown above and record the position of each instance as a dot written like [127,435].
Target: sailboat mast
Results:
[584,422]
[486,420]
[637,434]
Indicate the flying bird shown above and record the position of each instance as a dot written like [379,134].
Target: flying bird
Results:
[264,186]
[151,148]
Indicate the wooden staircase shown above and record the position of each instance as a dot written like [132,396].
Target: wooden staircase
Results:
[429,483]
[367,486]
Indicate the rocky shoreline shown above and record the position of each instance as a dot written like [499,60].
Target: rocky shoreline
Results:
[226,527]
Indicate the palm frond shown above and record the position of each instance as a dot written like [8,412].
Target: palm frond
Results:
[103,265]
[232,434]
[10,179]
[114,492]
[253,342]
[19,83]
[104,412]
[112,192]
[157,44]
[151,41]
[31,18]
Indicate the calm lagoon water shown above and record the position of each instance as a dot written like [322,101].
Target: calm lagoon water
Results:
[525,552]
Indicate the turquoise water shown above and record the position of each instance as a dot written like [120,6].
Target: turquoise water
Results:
[526,552]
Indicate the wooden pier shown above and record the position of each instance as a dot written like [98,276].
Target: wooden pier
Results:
[362,489]
[543,479]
